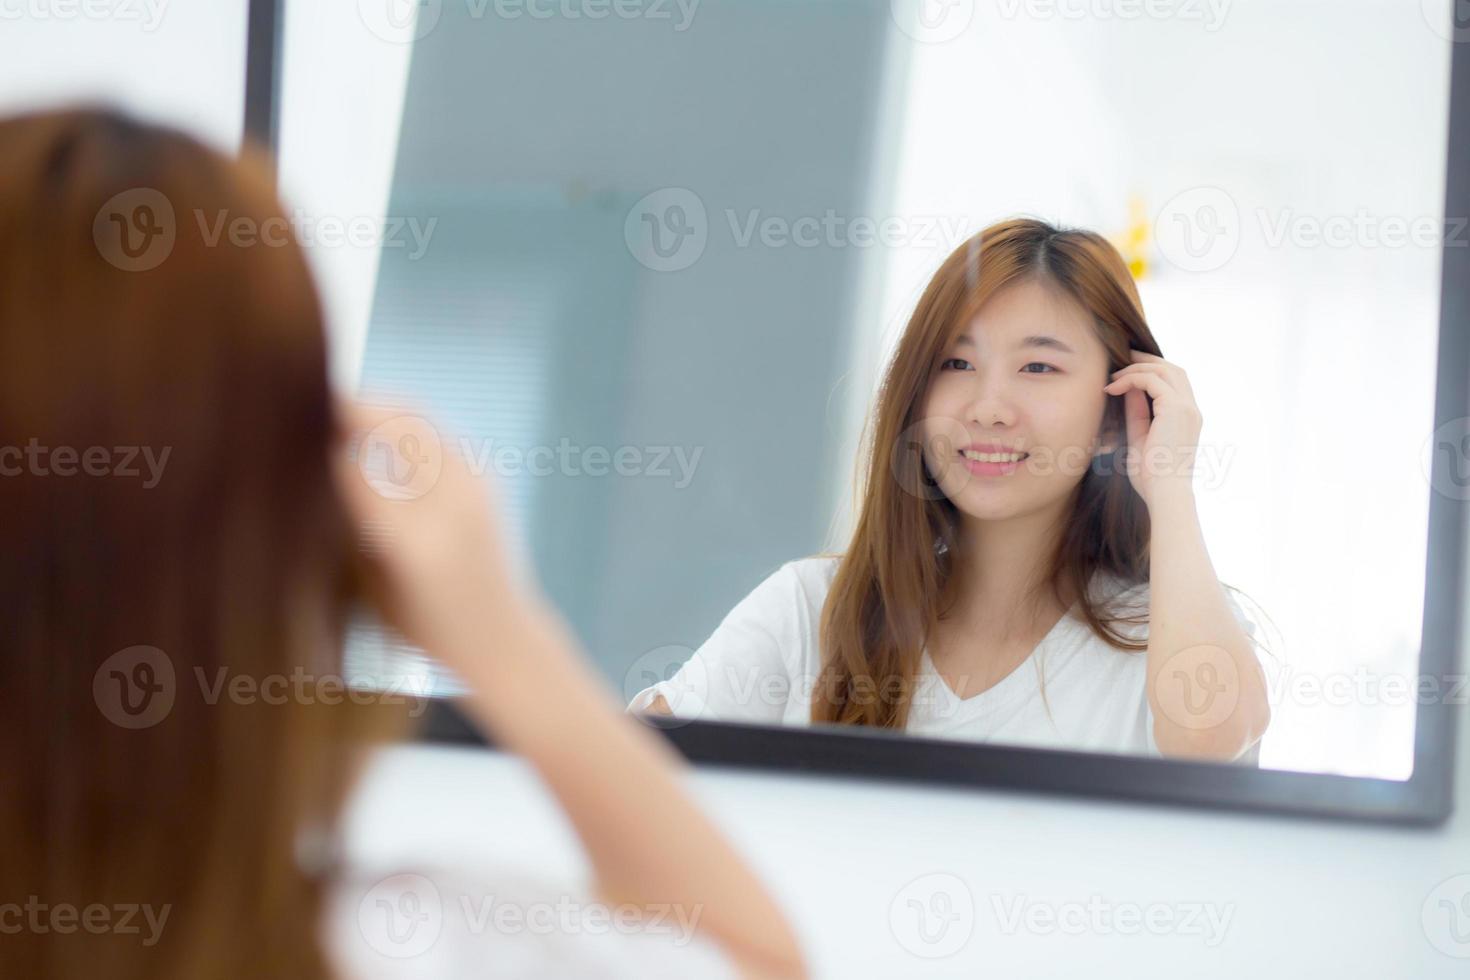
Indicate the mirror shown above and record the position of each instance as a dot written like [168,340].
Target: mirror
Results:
[676,246]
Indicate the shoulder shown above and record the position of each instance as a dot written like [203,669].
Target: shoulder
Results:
[452,923]
[799,584]
[813,575]
[789,605]
[779,617]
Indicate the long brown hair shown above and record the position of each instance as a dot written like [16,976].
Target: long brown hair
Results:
[170,517]
[891,582]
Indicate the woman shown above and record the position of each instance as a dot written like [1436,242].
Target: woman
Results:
[1027,564]
[162,819]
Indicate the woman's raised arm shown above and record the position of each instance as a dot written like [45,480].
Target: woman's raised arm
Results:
[444,580]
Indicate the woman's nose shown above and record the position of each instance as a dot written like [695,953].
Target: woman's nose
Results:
[991,403]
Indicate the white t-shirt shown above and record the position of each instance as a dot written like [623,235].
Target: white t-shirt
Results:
[443,924]
[762,663]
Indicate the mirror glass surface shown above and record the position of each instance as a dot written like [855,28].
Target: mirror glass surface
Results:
[666,251]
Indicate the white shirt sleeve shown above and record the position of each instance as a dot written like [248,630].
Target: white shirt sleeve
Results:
[1252,755]
[747,669]
[448,925]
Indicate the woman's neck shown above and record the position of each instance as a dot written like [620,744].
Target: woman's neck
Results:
[1002,570]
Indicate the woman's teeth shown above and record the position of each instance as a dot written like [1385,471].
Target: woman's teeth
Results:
[993,457]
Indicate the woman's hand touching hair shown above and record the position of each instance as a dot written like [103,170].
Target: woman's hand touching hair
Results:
[434,550]
[439,572]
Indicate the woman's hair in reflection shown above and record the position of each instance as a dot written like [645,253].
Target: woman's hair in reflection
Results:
[239,562]
[892,582]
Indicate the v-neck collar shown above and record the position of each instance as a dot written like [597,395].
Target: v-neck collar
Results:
[1002,689]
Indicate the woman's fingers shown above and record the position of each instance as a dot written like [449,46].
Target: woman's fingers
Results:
[428,522]
[1136,417]
[1173,373]
[1157,387]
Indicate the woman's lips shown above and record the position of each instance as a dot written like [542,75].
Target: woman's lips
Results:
[984,468]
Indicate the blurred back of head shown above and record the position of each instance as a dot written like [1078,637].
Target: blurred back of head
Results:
[176,560]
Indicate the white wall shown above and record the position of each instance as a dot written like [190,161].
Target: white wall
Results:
[342,104]
[180,62]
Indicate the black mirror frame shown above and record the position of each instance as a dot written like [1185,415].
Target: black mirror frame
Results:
[1426,798]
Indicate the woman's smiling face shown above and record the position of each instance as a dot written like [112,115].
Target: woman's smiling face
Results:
[1026,375]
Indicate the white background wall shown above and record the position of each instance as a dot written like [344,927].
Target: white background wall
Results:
[339,134]
[180,62]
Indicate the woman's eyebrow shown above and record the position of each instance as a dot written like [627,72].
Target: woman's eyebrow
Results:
[1034,340]
[1041,340]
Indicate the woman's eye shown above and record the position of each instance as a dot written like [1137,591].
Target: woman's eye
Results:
[955,364]
[1038,364]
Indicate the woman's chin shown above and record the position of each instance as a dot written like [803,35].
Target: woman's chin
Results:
[989,505]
